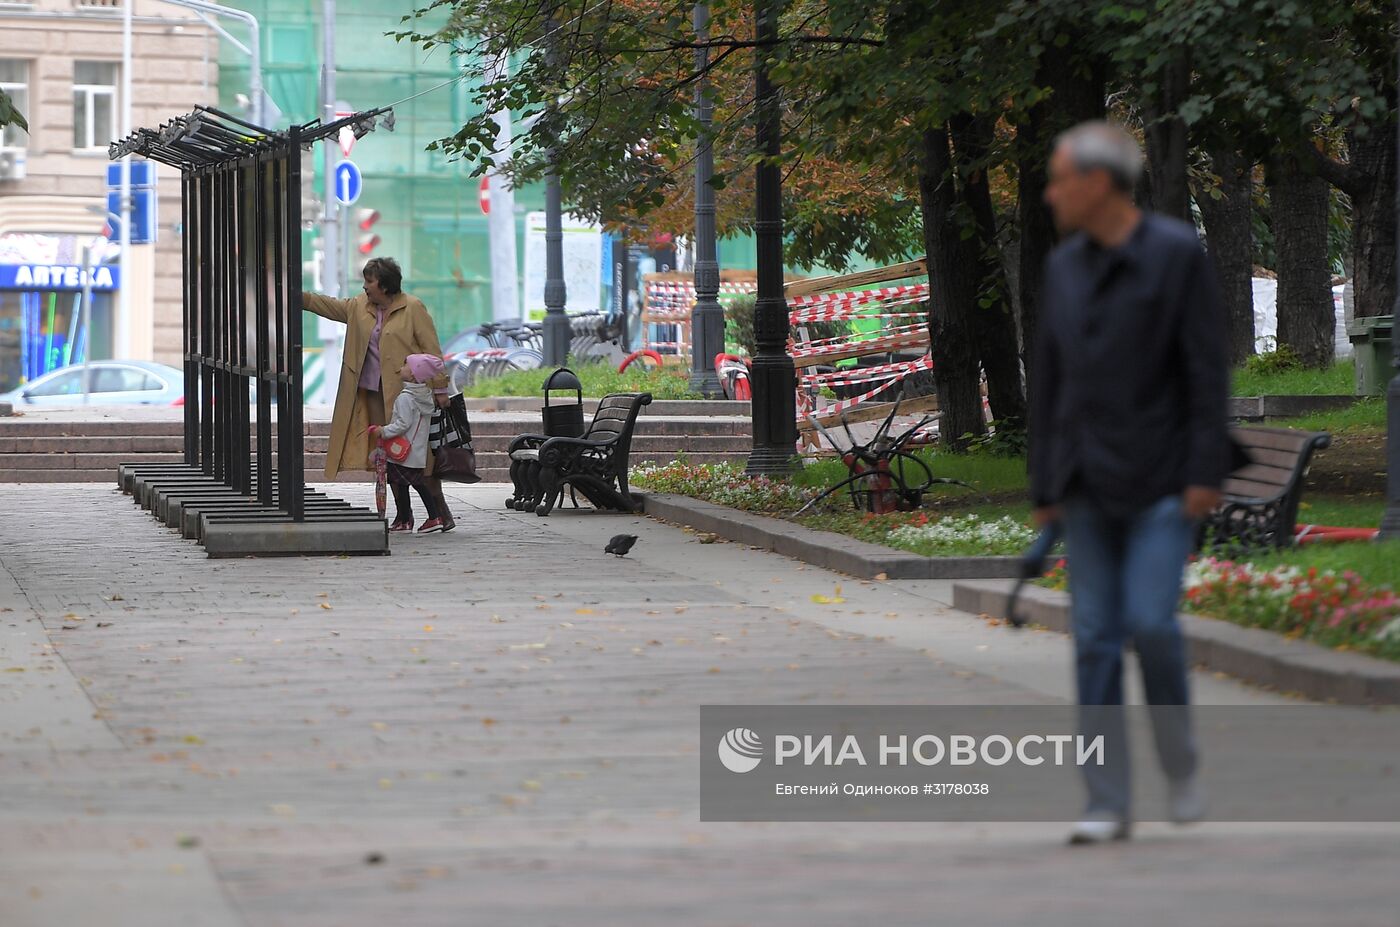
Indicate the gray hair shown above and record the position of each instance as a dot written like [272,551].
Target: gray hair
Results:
[1104,146]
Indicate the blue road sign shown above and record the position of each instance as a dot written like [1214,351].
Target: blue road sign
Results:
[348,183]
[143,214]
[143,174]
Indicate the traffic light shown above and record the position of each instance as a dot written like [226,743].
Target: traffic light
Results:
[366,241]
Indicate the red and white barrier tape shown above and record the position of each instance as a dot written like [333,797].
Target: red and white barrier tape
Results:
[836,408]
[857,375]
[904,336]
[907,293]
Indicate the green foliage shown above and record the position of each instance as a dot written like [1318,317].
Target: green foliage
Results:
[1282,359]
[1005,439]
[1269,378]
[9,116]
[597,379]
[738,324]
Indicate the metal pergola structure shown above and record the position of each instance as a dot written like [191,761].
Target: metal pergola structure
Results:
[241,234]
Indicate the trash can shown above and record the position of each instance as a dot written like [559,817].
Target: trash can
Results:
[1371,340]
[563,420]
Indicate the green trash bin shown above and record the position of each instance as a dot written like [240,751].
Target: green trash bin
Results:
[1371,344]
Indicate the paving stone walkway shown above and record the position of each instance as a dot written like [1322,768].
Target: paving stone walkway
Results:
[499,727]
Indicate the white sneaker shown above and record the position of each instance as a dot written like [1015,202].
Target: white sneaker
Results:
[1099,827]
[1186,800]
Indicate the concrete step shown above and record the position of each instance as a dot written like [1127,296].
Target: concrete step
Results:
[489,473]
[504,424]
[532,404]
[47,449]
[313,444]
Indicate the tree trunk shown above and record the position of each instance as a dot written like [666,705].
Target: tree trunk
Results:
[1373,220]
[1077,94]
[1229,236]
[952,294]
[1305,310]
[993,321]
[1167,141]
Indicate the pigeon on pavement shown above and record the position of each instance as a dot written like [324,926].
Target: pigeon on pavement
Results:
[620,544]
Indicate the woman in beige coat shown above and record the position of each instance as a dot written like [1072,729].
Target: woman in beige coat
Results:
[383,326]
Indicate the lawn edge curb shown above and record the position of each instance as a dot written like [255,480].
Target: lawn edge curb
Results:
[1251,654]
[825,549]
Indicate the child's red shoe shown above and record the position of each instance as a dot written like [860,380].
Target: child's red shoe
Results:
[401,526]
[431,525]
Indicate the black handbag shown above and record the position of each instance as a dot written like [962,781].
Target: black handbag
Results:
[450,426]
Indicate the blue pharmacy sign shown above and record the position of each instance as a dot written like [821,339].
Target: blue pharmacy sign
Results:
[348,183]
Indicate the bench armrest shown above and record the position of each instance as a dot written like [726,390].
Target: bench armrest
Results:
[526,441]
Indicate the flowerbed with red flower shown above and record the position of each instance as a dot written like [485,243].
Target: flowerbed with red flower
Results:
[1333,608]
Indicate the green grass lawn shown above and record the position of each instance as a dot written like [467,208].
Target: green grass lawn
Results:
[1364,415]
[598,380]
[1378,562]
[1340,511]
[1337,380]
[990,475]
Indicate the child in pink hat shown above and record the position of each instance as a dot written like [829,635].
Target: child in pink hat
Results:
[413,412]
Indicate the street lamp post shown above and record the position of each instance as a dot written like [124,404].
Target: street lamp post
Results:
[557,331]
[1390,521]
[772,376]
[707,318]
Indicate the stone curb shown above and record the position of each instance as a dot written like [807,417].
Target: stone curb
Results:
[825,549]
[1252,654]
[1262,408]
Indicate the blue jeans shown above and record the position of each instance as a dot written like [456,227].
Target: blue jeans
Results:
[1125,582]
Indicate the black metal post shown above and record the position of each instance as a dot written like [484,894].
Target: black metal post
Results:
[557,331]
[772,376]
[1390,521]
[707,318]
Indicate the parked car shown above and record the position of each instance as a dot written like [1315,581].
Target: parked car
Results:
[113,382]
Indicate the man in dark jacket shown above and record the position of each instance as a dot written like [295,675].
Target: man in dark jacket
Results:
[1129,446]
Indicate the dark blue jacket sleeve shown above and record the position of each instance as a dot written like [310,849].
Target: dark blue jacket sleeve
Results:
[1202,341]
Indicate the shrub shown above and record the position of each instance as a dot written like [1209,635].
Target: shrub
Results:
[1280,360]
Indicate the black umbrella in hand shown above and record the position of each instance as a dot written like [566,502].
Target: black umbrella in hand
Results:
[1032,565]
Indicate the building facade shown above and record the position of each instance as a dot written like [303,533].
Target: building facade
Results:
[428,213]
[60,60]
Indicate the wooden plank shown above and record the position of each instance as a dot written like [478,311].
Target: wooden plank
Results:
[1262,473]
[1279,439]
[1273,458]
[1250,490]
[871,412]
[854,281]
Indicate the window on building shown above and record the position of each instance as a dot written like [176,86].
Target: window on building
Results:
[14,81]
[94,104]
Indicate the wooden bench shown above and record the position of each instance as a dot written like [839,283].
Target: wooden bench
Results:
[1260,504]
[594,464]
